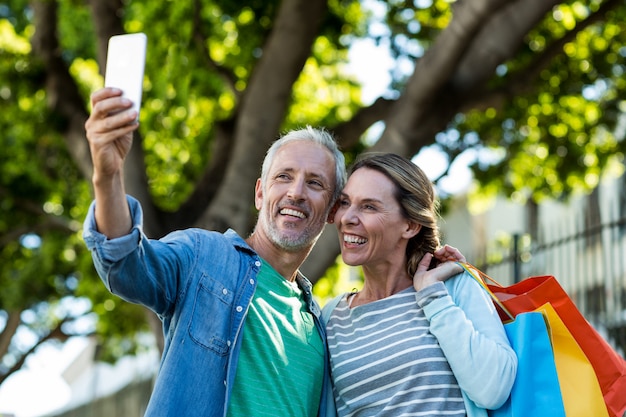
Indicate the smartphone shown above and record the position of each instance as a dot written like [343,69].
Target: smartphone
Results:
[126,58]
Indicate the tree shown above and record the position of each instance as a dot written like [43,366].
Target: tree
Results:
[539,84]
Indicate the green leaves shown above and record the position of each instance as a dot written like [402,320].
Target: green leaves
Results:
[544,123]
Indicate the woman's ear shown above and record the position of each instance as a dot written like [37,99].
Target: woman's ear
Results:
[412,229]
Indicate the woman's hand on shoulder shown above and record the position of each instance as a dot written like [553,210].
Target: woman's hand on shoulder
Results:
[448,257]
[449,253]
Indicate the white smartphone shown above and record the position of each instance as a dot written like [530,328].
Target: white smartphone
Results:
[126,58]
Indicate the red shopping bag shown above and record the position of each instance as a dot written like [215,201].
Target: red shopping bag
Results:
[531,293]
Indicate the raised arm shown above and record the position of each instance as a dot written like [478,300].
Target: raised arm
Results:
[109,131]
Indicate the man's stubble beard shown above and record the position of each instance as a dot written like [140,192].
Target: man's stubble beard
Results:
[305,240]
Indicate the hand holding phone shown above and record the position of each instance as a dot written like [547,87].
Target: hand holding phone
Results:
[126,57]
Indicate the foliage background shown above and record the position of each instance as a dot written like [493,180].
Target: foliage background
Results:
[538,85]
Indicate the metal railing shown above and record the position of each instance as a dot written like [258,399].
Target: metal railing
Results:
[589,262]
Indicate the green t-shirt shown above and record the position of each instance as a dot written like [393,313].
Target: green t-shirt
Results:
[281,362]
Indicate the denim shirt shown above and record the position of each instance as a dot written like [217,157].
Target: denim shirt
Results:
[200,284]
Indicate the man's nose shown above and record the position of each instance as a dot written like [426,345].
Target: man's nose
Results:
[296,189]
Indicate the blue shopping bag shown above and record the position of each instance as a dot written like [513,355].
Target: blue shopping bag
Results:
[536,391]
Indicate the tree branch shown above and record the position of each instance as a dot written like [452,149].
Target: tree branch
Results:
[107,21]
[10,328]
[349,133]
[56,333]
[524,81]
[207,186]
[61,90]
[295,29]
[486,51]
[431,75]
[199,39]
[47,221]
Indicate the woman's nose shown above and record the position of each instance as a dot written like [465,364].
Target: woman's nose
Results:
[347,215]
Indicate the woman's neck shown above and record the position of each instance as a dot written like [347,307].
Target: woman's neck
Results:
[382,283]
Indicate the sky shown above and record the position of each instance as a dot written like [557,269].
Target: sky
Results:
[41,377]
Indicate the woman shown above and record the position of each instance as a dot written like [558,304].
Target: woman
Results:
[413,341]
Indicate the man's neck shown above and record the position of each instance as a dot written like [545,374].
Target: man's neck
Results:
[286,263]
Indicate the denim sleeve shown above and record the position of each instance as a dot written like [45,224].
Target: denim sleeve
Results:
[108,251]
[473,339]
[140,270]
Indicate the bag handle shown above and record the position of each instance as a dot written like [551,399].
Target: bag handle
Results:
[480,277]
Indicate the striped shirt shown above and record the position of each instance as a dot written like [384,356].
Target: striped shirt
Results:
[385,361]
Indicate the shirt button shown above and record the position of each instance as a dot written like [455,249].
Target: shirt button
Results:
[224,291]
[239,309]
[251,281]
[257,263]
[228,342]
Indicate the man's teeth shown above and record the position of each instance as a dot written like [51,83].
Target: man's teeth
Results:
[294,213]
[354,239]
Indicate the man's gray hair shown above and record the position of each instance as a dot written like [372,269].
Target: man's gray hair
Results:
[315,135]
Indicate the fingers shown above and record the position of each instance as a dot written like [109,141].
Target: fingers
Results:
[110,117]
[109,131]
[104,93]
[449,253]
[107,102]
[424,277]
[111,128]
[448,269]
[424,263]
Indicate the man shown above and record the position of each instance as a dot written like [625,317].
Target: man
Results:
[242,331]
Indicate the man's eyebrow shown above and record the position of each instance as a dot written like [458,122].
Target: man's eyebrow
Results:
[308,174]
[317,175]
[321,176]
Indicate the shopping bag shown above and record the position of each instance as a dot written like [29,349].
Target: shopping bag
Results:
[532,293]
[580,388]
[536,391]
[610,369]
